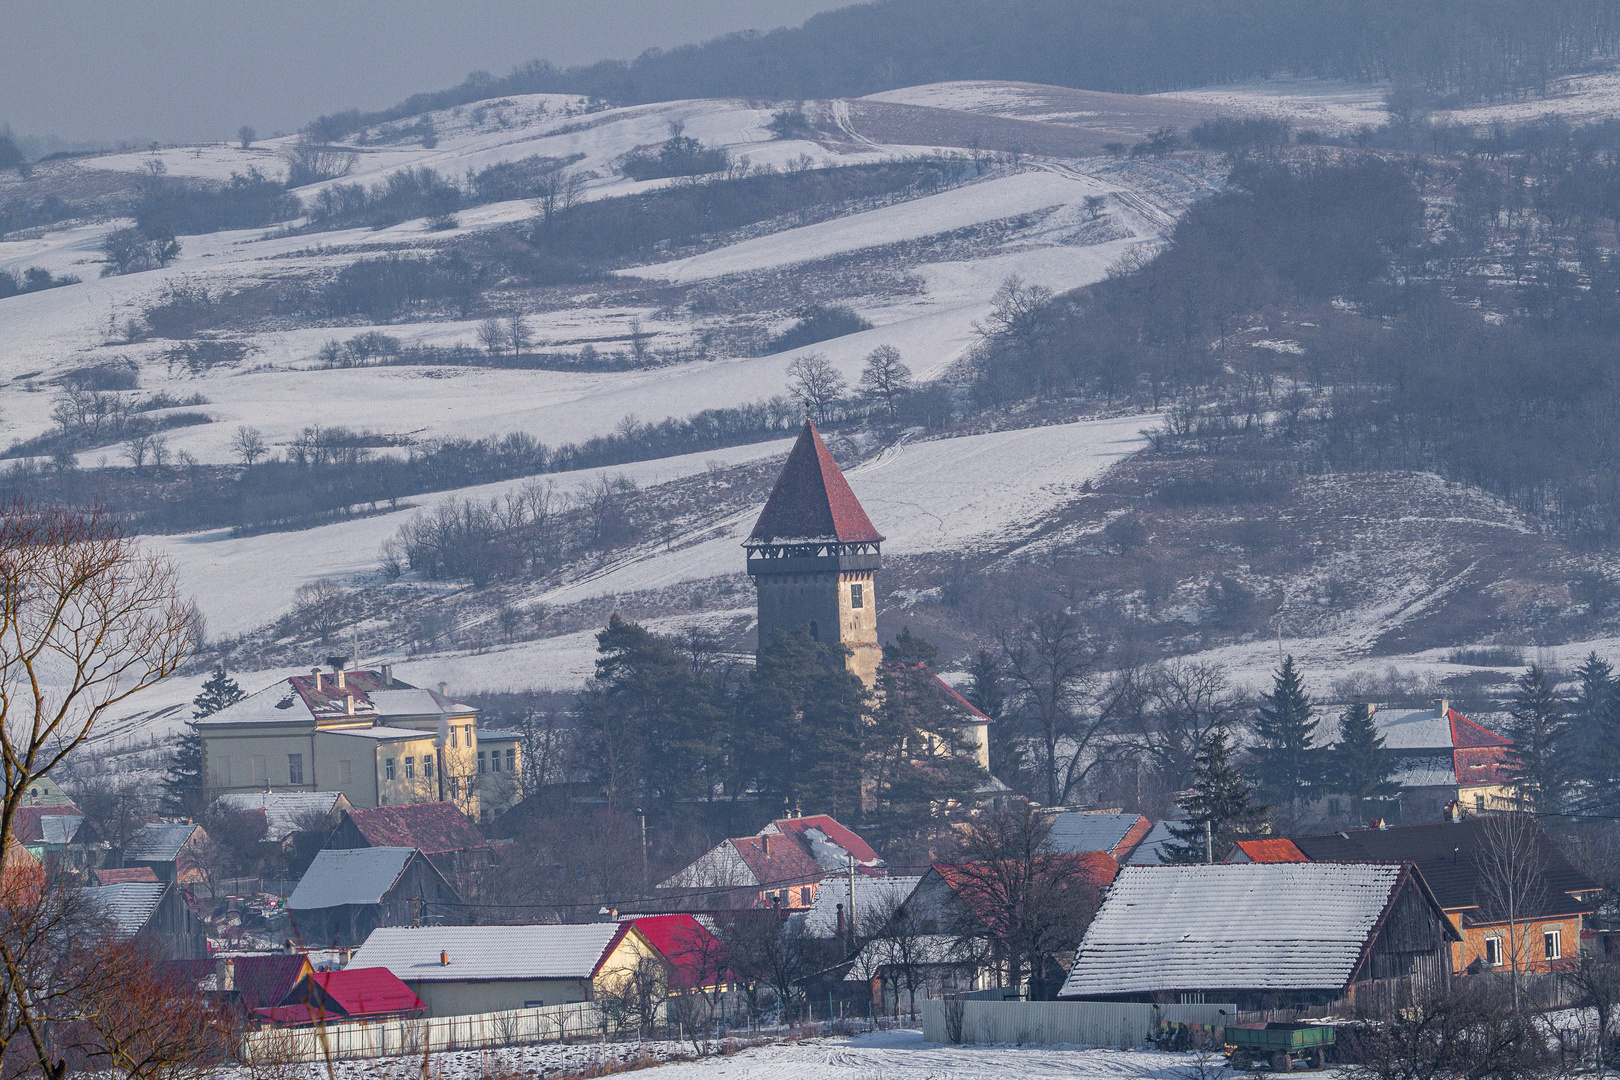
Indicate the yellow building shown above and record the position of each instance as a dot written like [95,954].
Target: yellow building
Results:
[375,739]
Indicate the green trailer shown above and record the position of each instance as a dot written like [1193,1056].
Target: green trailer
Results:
[1281,1046]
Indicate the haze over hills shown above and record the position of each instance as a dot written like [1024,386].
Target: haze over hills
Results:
[904,211]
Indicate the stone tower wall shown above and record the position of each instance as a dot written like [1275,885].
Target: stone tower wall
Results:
[824,603]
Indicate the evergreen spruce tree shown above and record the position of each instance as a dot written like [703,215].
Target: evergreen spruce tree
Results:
[1285,761]
[1590,719]
[1358,765]
[1219,797]
[1539,729]
[218,692]
[183,794]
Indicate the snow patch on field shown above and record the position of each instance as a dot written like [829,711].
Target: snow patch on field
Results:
[1327,105]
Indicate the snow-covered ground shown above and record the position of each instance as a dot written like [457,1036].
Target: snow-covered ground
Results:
[1326,105]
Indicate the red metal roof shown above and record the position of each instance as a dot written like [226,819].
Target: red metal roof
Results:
[1269,851]
[812,499]
[431,828]
[778,860]
[696,956]
[114,876]
[365,991]
[1467,734]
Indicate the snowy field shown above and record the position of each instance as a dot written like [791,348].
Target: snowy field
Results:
[886,1055]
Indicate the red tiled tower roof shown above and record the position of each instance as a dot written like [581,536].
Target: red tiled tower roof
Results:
[812,499]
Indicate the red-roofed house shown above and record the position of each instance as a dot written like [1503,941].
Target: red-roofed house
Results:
[373,993]
[781,866]
[1278,850]
[695,956]
[813,555]
[437,829]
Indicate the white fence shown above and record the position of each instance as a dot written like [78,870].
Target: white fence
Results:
[1087,1023]
[550,1023]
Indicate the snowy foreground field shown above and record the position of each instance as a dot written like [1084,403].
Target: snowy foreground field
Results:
[885,1055]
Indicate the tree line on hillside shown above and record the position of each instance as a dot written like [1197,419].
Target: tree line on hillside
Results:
[1456,51]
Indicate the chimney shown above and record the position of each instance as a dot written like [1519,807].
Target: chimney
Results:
[444,959]
[441,688]
[1445,707]
[348,699]
[226,975]
[840,922]
[315,676]
[388,675]
[341,683]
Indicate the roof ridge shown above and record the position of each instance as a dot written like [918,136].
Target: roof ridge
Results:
[812,499]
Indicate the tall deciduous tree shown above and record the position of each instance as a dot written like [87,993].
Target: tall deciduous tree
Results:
[1285,760]
[1049,663]
[1539,729]
[1358,765]
[885,379]
[1219,800]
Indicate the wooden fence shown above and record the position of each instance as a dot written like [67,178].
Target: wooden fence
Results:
[1083,1023]
[397,1038]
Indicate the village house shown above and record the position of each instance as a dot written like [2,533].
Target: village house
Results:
[1441,759]
[438,830]
[694,957]
[154,912]
[347,894]
[875,899]
[1455,858]
[1261,935]
[1075,832]
[57,835]
[458,970]
[782,866]
[355,993]
[1152,850]
[251,982]
[173,852]
[375,739]
[287,812]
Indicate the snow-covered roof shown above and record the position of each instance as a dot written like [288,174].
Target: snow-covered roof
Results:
[1150,852]
[873,897]
[159,842]
[1074,833]
[382,732]
[128,904]
[284,811]
[59,828]
[1226,926]
[315,697]
[549,951]
[1425,772]
[349,876]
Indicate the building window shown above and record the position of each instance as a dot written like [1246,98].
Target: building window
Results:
[455,787]
[511,761]
[466,731]
[295,768]
[815,631]
[388,769]
[1479,803]
[261,769]
[1553,942]
[534,1004]
[427,766]
[452,735]
[804,896]
[1493,952]
[856,600]
[410,768]
[1333,808]
[345,774]
[480,763]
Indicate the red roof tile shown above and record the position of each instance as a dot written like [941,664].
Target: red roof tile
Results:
[837,833]
[1270,851]
[778,860]
[697,956]
[431,828]
[812,499]
[114,876]
[1467,734]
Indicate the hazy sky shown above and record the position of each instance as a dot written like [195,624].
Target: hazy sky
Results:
[182,70]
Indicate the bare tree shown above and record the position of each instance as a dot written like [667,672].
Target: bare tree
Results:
[246,136]
[492,336]
[638,342]
[559,191]
[1177,706]
[816,385]
[322,606]
[248,444]
[1049,664]
[309,161]
[885,379]
[517,335]
[1596,982]
[900,946]
[137,451]
[1512,881]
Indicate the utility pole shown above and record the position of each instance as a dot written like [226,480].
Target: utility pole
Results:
[851,870]
[646,883]
[1209,842]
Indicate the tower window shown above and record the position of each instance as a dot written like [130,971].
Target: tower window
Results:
[815,631]
[856,599]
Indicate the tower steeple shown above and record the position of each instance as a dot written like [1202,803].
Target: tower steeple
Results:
[813,555]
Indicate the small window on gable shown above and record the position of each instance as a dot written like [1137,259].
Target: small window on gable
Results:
[1493,952]
[857,598]
[1552,940]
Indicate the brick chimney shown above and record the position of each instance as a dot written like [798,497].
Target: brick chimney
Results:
[315,677]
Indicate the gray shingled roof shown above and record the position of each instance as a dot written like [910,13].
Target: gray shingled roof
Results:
[873,896]
[550,951]
[129,904]
[284,811]
[1150,852]
[158,842]
[350,876]
[1223,926]
[1077,833]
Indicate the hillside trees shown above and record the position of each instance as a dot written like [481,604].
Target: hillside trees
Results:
[1049,664]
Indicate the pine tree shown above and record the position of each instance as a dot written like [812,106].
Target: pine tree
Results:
[218,692]
[1539,730]
[1220,797]
[1285,762]
[183,794]
[1358,764]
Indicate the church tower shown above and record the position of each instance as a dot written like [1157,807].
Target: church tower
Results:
[813,554]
